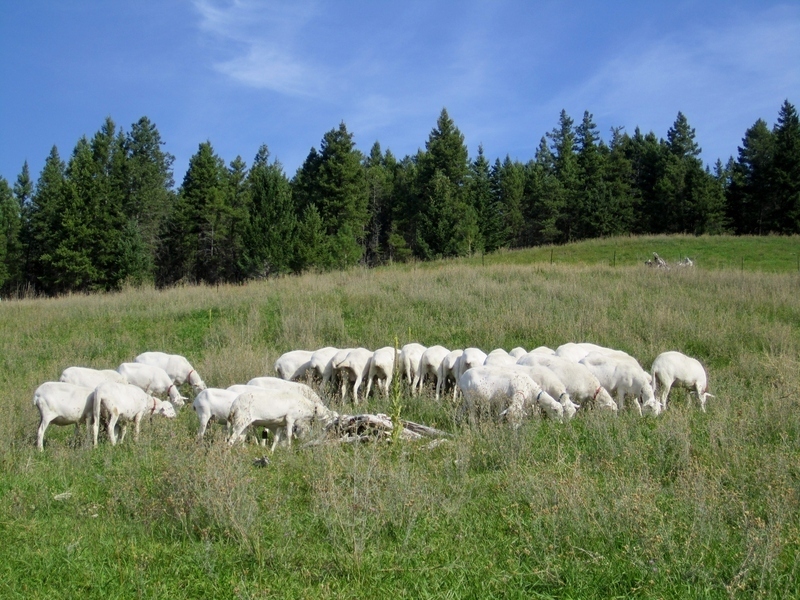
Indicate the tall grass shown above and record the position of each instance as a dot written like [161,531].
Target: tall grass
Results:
[689,504]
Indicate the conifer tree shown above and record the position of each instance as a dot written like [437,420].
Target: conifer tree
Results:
[442,173]
[44,219]
[379,170]
[751,196]
[272,229]
[786,169]
[9,234]
[333,180]
[567,173]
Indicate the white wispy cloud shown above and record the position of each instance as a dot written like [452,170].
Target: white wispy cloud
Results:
[261,39]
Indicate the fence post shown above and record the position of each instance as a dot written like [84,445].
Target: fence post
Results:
[551,256]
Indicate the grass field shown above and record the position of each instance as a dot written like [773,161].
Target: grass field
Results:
[691,504]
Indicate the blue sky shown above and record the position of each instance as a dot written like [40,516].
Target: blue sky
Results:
[243,73]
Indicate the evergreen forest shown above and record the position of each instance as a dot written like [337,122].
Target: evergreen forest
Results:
[111,215]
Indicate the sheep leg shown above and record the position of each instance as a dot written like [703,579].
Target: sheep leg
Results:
[43,423]
[112,423]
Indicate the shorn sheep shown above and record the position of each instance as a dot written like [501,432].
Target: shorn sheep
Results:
[671,368]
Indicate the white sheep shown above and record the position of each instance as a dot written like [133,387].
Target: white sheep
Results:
[177,367]
[62,403]
[122,402]
[551,384]
[277,410]
[319,361]
[214,403]
[622,376]
[353,369]
[447,371]
[428,365]
[670,368]
[381,368]
[499,358]
[470,358]
[293,365]
[582,386]
[153,380]
[410,355]
[505,390]
[90,378]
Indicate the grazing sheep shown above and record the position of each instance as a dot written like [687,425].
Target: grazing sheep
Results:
[582,386]
[551,384]
[62,403]
[624,377]
[90,378]
[381,367]
[670,368]
[469,359]
[125,402]
[447,371]
[353,369]
[153,380]
[331,369]
[505,390]
[277,410]
[428,365]
[293,365]
[499,358]
[319,361]
[517,352]
[410,355]
[214,403]
[179,369]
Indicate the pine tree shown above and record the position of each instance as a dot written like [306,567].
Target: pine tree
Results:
[445,160]
[9,233]
[149,197]
[751,196]
[44,218]
[192,237]
[380,170]
[786,169]
[486,203]
[333,180]
[508,184]
[567,172]
[272,229]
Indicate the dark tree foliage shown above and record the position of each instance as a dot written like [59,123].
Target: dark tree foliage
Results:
[380,170]
[9,235]
[110,216]
[270,239]
[447,224]
[333,181]
[786,170]
[195,231]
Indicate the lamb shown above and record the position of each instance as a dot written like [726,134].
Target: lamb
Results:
[179,369]
[623,377]
[582,386]
[493,388]
[124,402]
[447,371]
[381,367]
[670,368]
[151,379]
[469,359]
[428,365]
[410,355]
[276,410]
[90,378]
[353,369]
[62,403]
[293,365]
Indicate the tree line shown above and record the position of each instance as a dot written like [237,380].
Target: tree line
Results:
[110,215]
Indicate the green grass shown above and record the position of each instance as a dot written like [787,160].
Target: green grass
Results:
[686,505]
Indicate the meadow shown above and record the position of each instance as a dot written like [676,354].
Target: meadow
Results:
[689,504]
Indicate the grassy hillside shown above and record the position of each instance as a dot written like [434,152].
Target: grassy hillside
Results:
[685,505]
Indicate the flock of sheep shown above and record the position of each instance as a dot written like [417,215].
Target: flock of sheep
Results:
[508,385]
